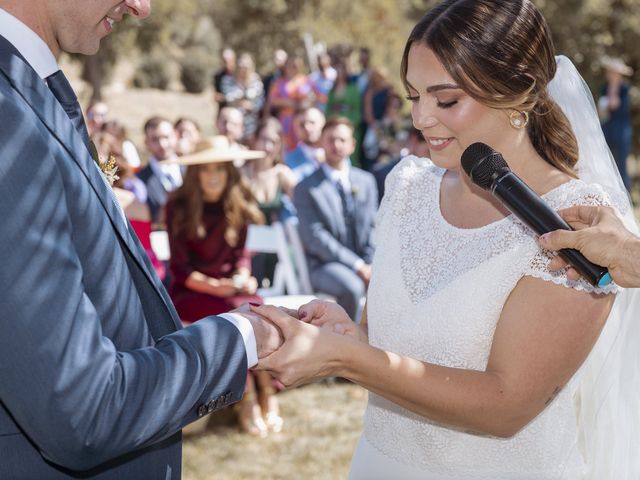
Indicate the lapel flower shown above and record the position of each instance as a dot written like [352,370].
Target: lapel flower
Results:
[354,191]
[108,168]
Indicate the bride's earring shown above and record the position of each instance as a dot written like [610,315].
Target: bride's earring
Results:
[518,119]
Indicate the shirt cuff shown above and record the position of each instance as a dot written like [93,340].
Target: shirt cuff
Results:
[248,336]
[357,264]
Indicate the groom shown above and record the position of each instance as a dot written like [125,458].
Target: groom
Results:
[97,377]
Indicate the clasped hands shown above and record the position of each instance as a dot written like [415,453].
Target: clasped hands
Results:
[300,346]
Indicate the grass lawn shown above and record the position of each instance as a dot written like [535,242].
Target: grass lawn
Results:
[322,426]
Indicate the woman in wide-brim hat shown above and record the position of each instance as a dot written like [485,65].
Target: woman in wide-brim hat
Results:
[614,108]
[207,222]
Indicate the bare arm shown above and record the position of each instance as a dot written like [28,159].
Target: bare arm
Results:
[287,179]
[536,349]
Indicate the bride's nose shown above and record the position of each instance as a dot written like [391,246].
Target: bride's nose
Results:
[138,8]
[423,115]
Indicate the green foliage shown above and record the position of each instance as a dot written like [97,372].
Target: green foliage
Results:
[196,69]
[153,71]
[584,30]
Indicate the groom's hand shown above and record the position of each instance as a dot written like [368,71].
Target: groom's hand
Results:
[268,336]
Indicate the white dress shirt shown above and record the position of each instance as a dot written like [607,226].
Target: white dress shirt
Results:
[37,54]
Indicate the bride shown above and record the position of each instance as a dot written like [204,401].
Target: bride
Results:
[491,375]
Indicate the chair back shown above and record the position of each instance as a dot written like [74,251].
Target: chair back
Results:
[272,239]
[160,245]
[298,255]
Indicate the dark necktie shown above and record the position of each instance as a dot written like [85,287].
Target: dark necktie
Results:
[346,198]
[62,90]
[349,216]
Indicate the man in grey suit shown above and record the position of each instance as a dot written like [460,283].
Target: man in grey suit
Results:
[97,377]
[336,207]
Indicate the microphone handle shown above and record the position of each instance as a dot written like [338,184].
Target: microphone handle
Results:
[532,210]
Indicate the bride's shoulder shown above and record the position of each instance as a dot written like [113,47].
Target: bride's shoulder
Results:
[412,170]
[579,192]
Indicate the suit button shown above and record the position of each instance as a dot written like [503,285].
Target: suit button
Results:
[227,397]
[212,405]
[202,410]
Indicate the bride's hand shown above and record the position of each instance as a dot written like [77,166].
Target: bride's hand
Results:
[308,352]
[331,316]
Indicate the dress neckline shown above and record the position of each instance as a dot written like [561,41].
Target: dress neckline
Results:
[508,218]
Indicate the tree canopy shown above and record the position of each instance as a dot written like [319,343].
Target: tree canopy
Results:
[584,30]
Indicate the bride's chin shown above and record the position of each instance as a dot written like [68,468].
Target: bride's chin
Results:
[445,162]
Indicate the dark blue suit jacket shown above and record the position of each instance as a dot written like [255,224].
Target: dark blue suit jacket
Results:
[97,377]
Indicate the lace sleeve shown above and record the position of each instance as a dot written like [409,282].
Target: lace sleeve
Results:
[573,193]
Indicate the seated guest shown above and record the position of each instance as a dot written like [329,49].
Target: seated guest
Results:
[207,220]
[161,176]
[270,179]
[97,113]
[272,184]
[129,150]
[130,193]
[308,154]
[230,123]
[336,208]
[188,134]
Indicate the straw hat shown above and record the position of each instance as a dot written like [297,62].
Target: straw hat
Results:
[217,150]
[616,65]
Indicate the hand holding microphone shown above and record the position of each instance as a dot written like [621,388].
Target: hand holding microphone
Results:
[599,233]
[488,169]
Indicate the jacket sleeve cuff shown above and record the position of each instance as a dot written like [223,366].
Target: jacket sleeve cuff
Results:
[248,336]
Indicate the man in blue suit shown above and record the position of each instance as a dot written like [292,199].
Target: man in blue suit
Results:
[160,176]
[97,377]
[336,207]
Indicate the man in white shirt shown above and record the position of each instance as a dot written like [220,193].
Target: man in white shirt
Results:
[97,376]
[308,154]
[159,176]
[336,208]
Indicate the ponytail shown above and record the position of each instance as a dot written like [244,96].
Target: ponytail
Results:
[552,137]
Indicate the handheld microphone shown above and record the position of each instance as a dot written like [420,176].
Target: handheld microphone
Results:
[488,169]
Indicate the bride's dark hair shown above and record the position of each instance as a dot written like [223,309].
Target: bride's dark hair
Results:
[500,52]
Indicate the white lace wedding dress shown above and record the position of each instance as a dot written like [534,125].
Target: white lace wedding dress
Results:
[436,295]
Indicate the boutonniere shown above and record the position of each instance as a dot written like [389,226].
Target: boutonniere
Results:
[354,191]
[108,167]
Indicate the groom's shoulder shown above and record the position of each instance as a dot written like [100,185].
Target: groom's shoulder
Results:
[19,121]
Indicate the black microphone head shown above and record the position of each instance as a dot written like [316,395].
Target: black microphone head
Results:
[483,164]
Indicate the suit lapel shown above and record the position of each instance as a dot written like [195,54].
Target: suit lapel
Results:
[44,104]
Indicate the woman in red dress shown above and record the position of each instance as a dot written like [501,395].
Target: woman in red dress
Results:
[207,222]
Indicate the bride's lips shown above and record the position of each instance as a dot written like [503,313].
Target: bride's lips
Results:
[437,144]
[108,24]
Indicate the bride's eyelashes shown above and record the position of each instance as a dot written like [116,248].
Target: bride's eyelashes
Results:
[445,105]
[440,104]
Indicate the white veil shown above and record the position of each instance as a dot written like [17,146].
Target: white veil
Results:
[608,397]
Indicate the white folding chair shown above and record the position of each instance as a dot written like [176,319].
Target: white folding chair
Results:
[160,245]
[285,290]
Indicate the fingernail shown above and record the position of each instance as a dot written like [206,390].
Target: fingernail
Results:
[254,304]
[303,315]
